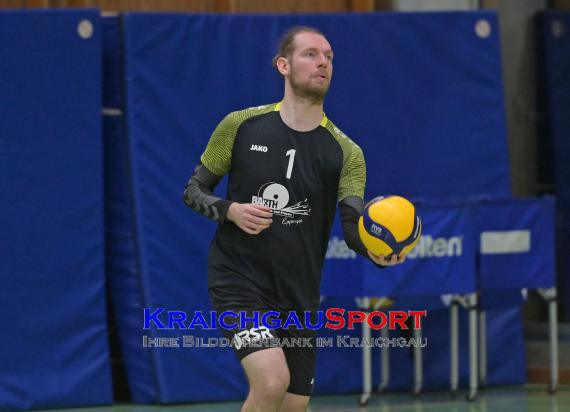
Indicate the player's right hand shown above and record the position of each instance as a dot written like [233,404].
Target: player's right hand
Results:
[250,218]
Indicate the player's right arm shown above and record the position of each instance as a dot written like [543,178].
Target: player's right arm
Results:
[215,162]
[198,195]
[351,205]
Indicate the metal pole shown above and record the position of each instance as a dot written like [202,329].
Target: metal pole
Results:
[454,338]
[550,296]
[384,350]
[553,321]
[483,348]
[418,364]
[366,365]
[472,301]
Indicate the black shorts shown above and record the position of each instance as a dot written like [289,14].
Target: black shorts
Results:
[298,344]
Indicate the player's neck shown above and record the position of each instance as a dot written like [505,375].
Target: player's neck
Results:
[301,114]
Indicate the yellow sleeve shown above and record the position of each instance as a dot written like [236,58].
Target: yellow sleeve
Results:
[218,154]
[353,174]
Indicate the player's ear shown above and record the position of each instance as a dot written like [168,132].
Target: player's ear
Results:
[283,65]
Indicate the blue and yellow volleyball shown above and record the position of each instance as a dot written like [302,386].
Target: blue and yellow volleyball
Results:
[389,224]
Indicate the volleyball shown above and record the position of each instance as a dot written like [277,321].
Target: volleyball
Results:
[389,224]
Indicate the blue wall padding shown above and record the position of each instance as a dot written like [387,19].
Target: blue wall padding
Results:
[122,263]
[113,84]
[421,93]
[533,268]
[55,351]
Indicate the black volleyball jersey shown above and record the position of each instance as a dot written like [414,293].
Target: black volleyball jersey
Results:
[301,176]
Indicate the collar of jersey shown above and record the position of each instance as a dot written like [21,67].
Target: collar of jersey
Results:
[323,122]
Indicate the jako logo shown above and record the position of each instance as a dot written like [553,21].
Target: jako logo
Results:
[338,249]
[438,247]
[258,148]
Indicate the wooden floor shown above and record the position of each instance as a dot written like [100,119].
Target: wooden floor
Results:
[528,398]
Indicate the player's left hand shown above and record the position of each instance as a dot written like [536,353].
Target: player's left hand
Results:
[383,261]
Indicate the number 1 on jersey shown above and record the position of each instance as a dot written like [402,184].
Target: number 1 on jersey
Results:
[291,160]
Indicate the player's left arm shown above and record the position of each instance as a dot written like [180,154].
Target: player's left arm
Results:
[351,205]
[350,211]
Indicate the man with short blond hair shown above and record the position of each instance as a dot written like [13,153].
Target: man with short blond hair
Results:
[289,166]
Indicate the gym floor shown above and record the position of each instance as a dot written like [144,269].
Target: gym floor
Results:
[527,398]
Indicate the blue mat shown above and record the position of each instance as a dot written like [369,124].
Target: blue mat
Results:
[55,353]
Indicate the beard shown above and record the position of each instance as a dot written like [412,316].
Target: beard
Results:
[315,93]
